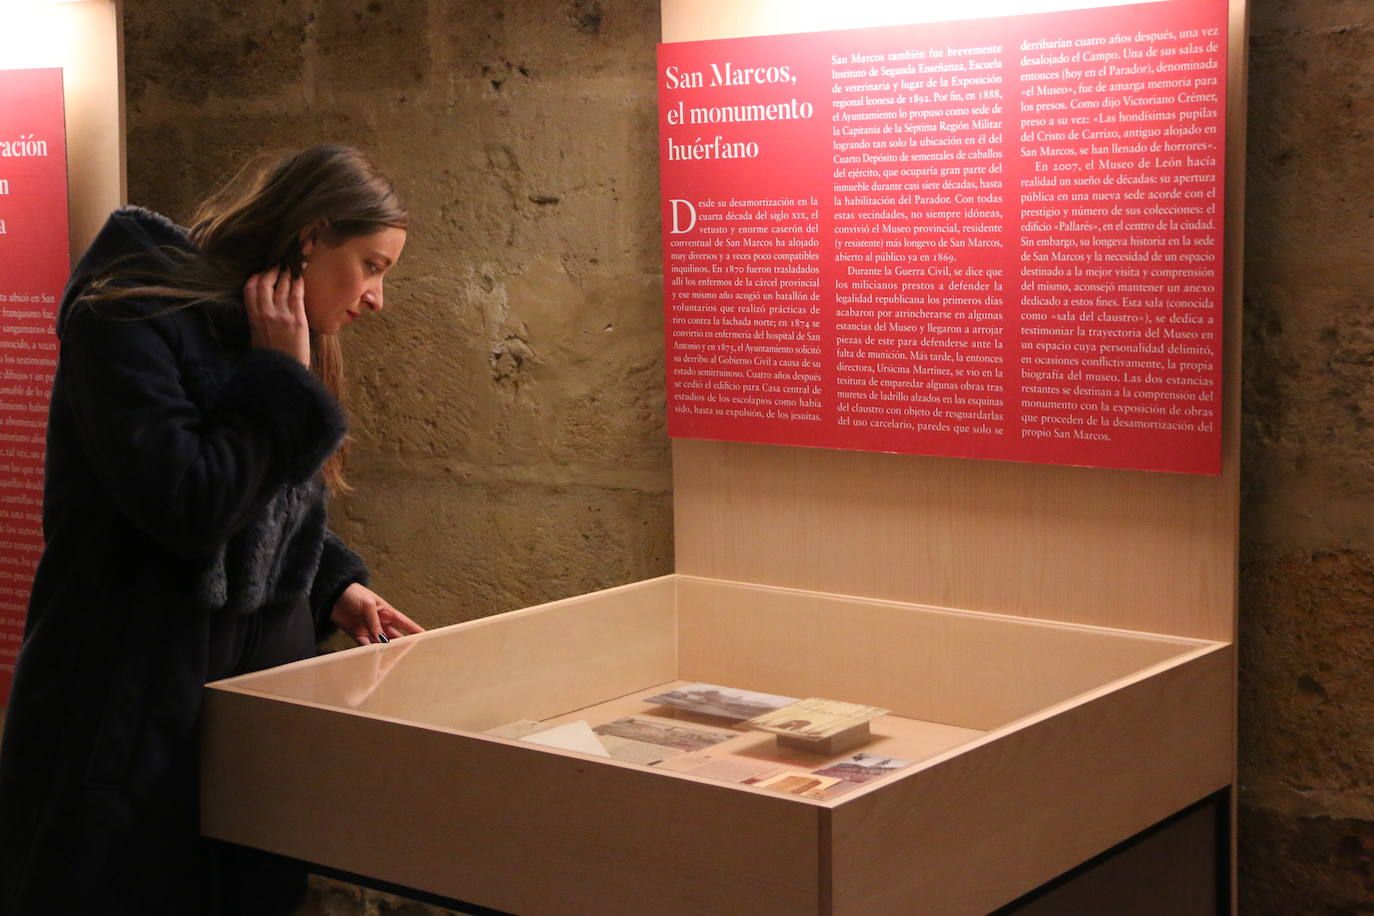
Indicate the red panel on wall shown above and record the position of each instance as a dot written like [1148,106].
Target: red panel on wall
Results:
[33,269]
[997,238]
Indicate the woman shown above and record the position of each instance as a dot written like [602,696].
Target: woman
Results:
[190,447]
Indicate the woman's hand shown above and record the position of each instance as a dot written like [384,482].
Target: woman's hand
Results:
[275,301]
[361,613]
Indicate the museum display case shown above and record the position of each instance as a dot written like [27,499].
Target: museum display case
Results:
[1033,745]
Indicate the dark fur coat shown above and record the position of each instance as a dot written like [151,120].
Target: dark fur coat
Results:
[182,495]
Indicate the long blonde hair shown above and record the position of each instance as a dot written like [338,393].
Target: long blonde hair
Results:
[254,222]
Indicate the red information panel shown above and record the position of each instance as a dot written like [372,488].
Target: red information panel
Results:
[33,270]
[998,238]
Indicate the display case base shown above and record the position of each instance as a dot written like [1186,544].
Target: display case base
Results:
[1034,746]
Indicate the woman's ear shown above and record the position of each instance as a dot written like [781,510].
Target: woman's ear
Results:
[308,236]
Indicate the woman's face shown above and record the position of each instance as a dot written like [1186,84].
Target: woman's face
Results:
[344,280]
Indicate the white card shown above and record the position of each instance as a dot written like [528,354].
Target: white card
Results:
[575,736]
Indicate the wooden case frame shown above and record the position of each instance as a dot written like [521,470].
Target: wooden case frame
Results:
[1079,622]
[1037,744]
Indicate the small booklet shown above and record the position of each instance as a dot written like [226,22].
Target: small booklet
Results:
[815,718]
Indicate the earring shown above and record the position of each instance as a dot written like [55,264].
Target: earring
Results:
[304,264]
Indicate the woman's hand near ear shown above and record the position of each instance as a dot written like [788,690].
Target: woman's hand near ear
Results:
[275,302]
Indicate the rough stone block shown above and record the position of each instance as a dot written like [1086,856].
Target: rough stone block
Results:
[1306,694]
[162,181]
[214,149]
[502,47]
[217,49]
[552,368]
[1308,124]
[502,182]
[374,45]
[414,372]
[1314,866]
[1309,280]
[1289,15]
[487,544]
[1308,419]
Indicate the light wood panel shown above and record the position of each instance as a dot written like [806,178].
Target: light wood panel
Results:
[972,670]
[302,764]
[966,835]
[1151,552]
[522,829]
[530,664]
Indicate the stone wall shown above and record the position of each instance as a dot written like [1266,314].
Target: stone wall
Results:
[1307,522]
[508,404]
